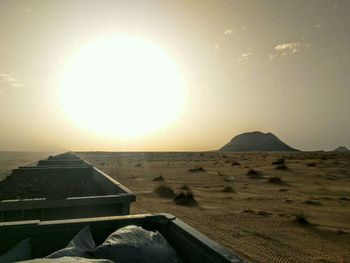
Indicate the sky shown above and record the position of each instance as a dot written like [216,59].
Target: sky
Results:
[273,66]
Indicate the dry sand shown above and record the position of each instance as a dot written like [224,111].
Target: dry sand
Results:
[257,220]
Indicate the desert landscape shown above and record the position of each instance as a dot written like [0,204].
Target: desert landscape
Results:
[267,207]
[268,203]
[230,115]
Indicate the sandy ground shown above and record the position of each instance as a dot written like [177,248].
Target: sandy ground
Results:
[257,220]
[11,160]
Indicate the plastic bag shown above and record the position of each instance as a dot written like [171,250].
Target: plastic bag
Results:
[21,251]
[133,244]
[79,246]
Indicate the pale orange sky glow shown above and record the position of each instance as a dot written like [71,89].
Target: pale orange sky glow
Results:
[172,75]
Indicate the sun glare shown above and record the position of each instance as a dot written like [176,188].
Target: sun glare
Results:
[122,86]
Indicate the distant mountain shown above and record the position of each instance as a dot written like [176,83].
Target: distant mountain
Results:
[341,149]
[256,141]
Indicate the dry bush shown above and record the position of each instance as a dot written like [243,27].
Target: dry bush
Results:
[185,198]
[248,211]
[253,173]
[282,167]
[235,163]
[196,169]
[164,191]
[310,202]
[279,161]
[228,189]
[275,180]
[301,219]
[185,187]
[158,179]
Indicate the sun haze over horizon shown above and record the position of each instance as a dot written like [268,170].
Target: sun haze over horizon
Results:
[174,75]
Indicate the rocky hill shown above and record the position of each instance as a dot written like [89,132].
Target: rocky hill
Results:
[342,149]
[256,141]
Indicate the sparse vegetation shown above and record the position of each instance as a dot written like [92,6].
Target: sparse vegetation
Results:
[248,211]
[301,218]
[311,202]
[253,173]
[185,198]
[158,179]
[275,180]
[185,187]
[235,163]
[228,189]
[220,174]
[164,191]
[196,169]
[279,161]
[229,178]
[282,167]
[263,213]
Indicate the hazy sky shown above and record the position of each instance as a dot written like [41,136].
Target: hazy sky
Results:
[273,65]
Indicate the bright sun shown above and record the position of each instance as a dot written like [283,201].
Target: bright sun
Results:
[122,86]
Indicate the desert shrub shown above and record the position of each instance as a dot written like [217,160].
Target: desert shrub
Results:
[228,189]
[279,161]
[185,187]
[248,211]
[235,163]
[310,202]
[185,198]
[311,164]
[263,213]
[253,173]
[164,191]
[158,179]
[196,169]
[301,218]
[281,167]
[138,165]
[229,178]
[275,180]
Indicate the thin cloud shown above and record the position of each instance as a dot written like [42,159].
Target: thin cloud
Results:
[284,49]
[292,47]
[10,80]
[229,32]
[243,56]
